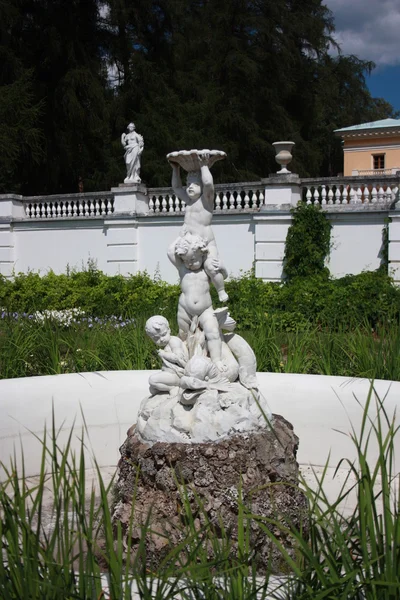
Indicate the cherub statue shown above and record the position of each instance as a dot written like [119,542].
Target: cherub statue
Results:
[199,198]
[188,254]
[133,144]
[173,353]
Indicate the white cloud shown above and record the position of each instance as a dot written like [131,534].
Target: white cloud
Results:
[370,29]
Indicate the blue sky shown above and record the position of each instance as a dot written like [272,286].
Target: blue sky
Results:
[370,29]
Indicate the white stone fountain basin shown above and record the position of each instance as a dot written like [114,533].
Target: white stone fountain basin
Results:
[316,405]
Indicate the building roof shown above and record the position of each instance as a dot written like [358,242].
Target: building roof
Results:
[382,124]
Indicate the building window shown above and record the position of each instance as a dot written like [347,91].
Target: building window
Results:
[378,161]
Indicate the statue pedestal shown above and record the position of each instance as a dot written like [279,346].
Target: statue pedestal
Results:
[282,190]
[260,465]
[130,199]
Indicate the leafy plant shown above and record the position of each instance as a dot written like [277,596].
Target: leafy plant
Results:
[357,556]
[307,243]
[352,300]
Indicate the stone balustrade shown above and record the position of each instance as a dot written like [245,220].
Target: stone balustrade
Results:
[376,172]
[239,196]
[124,229]
[231,198]
[67,206]
[382,191]
[228,197]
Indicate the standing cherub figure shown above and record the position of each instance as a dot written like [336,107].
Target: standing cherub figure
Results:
[189,254]
[199,199]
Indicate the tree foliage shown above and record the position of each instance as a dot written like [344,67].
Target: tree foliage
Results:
[230,74]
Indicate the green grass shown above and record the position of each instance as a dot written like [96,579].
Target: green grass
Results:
[28,348]
[362,352]
[357,556]
[349,326]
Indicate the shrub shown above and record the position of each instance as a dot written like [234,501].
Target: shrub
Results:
[307,243]
[368,299]
[90,290]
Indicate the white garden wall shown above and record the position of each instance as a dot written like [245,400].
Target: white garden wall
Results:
[129,229]
[356,239]
[56,245]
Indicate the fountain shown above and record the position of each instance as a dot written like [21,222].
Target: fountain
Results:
[205,423]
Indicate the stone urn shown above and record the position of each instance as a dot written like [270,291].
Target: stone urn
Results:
[283,155]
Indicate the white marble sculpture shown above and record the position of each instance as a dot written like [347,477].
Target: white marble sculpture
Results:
[199,199]
[207,387]
[133,144]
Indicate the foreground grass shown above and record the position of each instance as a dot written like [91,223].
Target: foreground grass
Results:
[347,558]
[29,348]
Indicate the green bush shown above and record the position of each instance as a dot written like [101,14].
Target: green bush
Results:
[91,290]
[366,299]
[354,300]
[348,327]
[307,243]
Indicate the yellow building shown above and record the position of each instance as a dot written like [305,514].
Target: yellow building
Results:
[371,148]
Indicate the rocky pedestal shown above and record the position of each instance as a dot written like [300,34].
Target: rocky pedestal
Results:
[209,477]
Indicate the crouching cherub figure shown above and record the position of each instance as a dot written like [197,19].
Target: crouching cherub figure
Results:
[173,353]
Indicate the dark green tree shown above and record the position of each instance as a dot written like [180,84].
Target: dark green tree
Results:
[21,138]
[230,74]
[238,75]
[60,42]
[335,96]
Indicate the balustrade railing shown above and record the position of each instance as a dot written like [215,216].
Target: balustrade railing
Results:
[376,172]
[98,204]
[351,191]
[228,197]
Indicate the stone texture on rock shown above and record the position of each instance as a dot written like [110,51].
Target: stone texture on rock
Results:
[264,461]
[214,415]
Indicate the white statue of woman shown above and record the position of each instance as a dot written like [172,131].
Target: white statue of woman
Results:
[133,144]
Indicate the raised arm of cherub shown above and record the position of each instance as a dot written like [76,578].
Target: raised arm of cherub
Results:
[176,182]
[206,179]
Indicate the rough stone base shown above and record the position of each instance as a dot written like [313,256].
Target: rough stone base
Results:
[264,461]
